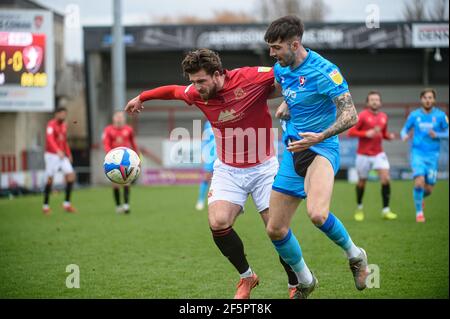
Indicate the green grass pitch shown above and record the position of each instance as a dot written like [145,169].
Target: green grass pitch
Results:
[164,249]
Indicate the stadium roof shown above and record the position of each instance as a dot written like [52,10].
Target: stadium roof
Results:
[251,36]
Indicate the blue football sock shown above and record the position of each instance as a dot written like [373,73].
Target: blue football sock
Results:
[336,231]
[418,198]
[203,190]
[289,249]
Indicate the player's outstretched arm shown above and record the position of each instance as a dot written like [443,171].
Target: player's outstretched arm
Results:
[404,133]
[134,105]
[168,92]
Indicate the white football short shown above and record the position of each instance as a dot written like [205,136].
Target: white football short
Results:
[234,184]
[53,164]
[365,163]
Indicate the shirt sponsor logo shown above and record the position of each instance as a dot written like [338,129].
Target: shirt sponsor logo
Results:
[289,94]
[264,69]
[227,115]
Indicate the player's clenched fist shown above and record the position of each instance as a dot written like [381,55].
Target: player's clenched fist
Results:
[134,105]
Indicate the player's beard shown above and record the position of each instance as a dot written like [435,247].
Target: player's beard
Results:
[287,59]
[374,108]
[427,105]
[210,94]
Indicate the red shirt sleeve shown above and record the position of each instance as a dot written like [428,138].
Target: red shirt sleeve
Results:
[133,141]
[50,137]
[260,74]
[356,130]
[168,92]
[106,137]
[385,130]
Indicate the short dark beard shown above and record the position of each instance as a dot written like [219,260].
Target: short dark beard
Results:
[374,110]
[427,109]
[212,94]
[289,59]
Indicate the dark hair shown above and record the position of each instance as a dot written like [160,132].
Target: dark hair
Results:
[202,59]
[426,90]
[284,28]
[373,92]
[60,109]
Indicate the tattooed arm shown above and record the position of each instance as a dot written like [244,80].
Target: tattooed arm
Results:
[346,117]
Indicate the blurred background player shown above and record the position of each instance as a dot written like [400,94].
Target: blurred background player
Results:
[115,135]
[58,157]
[370,130]
[209,156]
[429,125]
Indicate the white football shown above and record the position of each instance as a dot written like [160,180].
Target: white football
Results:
[122,165]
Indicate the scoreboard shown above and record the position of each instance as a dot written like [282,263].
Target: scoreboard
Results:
[22,59]
[26,60]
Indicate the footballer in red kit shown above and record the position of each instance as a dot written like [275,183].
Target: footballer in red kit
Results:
[115,135]
[235,102]
[240,104]
[58,157]
[371,130]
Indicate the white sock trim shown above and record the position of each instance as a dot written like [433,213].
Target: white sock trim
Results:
[304,276]
[247,274]
[353,251]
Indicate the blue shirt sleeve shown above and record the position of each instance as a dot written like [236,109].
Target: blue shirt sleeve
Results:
[408,125]
[332,84]
[443,133]
[444,121]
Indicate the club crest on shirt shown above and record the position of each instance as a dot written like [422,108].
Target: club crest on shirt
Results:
[302,80]
[239,93]
[336,77]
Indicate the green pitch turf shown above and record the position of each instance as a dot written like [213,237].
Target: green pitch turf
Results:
[164,249]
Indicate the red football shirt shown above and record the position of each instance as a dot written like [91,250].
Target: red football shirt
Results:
[114,136]
[239,114]
[56,137]
[368,120]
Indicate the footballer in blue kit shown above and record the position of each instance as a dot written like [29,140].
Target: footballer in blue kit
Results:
[209,156]
[309,91]
[424,128]
[320,107]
